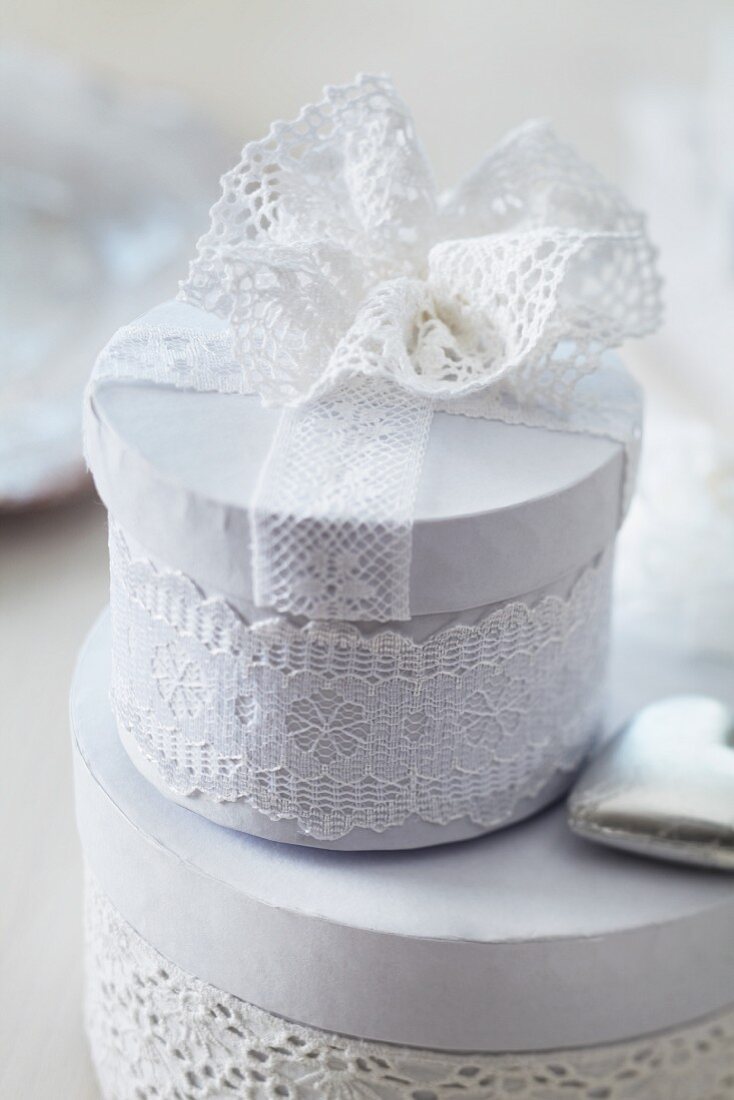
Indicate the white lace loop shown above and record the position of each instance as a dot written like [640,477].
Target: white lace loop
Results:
[338,268]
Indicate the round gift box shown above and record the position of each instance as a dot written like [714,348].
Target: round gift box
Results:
[524,963]
[267,724]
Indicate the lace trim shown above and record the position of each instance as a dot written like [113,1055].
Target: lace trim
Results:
[158,1033]
[338,729]
[187,359]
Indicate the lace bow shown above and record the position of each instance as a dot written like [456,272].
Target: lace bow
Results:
[361,302]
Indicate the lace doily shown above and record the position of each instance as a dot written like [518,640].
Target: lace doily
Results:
[338,728]
[158,1033]
[361,301]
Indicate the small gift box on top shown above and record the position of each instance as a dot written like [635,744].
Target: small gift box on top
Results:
[364,480]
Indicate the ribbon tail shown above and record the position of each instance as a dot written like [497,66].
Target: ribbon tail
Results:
[332,518]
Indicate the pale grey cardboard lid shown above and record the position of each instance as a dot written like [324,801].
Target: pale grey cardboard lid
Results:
[502,510]
[527,939]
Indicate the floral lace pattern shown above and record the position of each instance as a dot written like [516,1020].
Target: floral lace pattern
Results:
[360,301]
[158,1033]
[339,729]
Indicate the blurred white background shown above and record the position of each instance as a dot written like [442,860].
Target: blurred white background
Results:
[608,74]
[470,68]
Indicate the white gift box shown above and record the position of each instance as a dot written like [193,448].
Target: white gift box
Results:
[511,965]
[473,713]
[364,480]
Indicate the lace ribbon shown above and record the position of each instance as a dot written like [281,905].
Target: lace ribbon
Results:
[157,1031]
[331,563]
[339,729]
[360,301]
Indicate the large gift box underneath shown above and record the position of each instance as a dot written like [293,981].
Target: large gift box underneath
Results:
[526,964]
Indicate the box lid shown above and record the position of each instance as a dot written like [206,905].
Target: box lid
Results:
[501,511]
[530,939]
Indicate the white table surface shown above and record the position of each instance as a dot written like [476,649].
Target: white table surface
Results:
[53,582]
